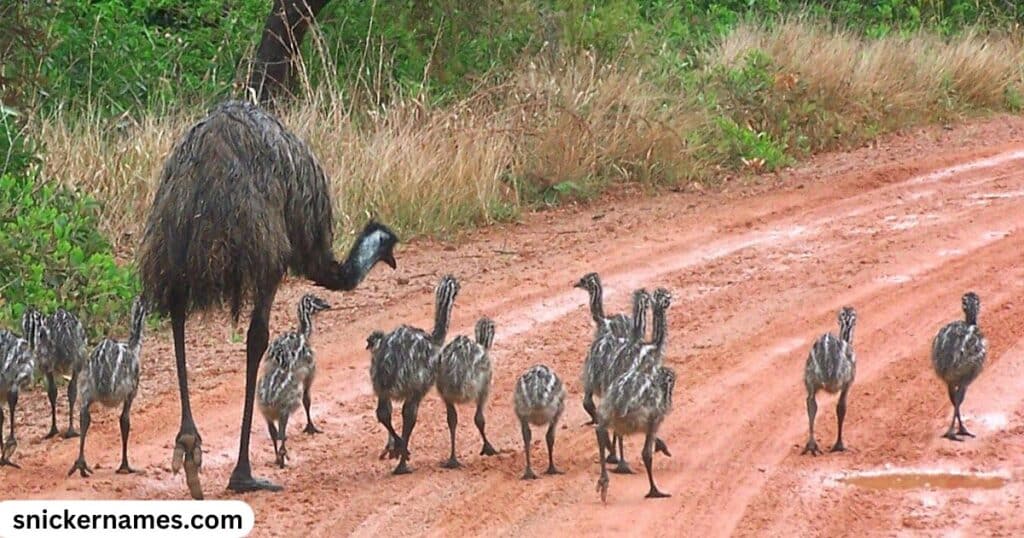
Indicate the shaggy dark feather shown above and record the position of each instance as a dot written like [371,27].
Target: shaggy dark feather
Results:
[958,356]
[111,377]
[539,399]
[831,366]
[16,365]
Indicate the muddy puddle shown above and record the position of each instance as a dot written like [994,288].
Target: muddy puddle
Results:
[929,480]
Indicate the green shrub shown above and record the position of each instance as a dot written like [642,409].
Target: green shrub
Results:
[52,255]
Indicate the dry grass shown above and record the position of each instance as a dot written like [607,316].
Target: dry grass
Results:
[570,127]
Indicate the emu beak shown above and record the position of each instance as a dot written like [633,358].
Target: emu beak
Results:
[389,259]
[578,284]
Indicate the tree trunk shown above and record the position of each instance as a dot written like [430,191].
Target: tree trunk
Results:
[283,32]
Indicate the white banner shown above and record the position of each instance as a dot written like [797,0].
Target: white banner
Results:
[110,519]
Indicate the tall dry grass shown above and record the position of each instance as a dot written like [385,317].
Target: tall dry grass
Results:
[570,126]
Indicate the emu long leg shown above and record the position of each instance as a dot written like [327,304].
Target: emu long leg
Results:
[126,428]
[273,437]
[549,438]
[961,392]
[602,481]
[409,410]
[51,393]
[812,410]
[255,345]
[951,432]
[623,466]
[453,422]
[80,465]
[310,428]
[478,419]
[528,474]
[394,446]
[283,432]
[648,455]
[188,445]
[589,407]
[840,416]
[7,448]
[72,396]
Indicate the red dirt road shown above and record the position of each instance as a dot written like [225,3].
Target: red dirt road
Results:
[899,231]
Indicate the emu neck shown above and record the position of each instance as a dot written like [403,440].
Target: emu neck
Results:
[135,337]
[639,321]
[596,304]
[659,330]
[442,314]
[971,317]
[846,334]
[345,276]
[305,323]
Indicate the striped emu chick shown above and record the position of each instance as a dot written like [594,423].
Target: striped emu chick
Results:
[16,365]
[464,375]
[111,377]
[958,356]
[539,400]
[624,357]
[402,368]
[60,347]
[831,366]
[288,374]
[639,400]
[608,334]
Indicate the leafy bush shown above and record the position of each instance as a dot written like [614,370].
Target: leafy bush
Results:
[52,255]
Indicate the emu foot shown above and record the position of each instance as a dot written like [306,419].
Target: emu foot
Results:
[125,469]
[602,487]
[811,448]
[70,433]
[311,429]
[529,474]
[552,470]
[656,494]
[243,482]
[280,457]
[488,450]
[4,462]
[951,435]
[838,447]
[394,449]
[54,432]
[622,468]
[188,453]
[8,449]
[963,431]
[451,463]
[660,446]
[403,468]
[81,467]
[612,458]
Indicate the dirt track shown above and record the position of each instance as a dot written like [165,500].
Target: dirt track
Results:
[900,231]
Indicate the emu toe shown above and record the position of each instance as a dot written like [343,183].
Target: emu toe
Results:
[529,475]
[125,469]
[8,449]
[951,435]
[311,429]
[838,447]
[552,470]
[4,462]
[188,453]
[403,468]
[242,483]
[602,488]
[81,467]
[70,433]
[612,458]
[451,463]
[488,450]
[54,432]
[811,448]
[963,431]
[657,494]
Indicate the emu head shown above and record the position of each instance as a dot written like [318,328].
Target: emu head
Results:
[485,332]
[847,319]
[662,299]
[376,243]
[590,282]
[311,304]
[971,304]
[374,341]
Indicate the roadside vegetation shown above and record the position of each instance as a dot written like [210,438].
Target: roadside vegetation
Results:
[439,115]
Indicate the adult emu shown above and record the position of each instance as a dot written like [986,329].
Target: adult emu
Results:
[241,200]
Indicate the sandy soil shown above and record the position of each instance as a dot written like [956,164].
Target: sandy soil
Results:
[899,230]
